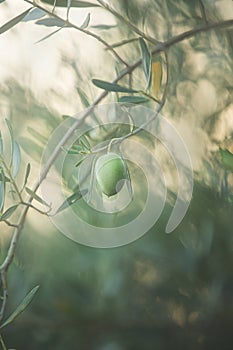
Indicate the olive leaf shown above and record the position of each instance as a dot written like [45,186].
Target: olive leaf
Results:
[111,86]
[2,194]
[14,21]
[52,22]
[86,21]
[157,74]
[133,99]
[36,197]
[146,62]
[22,306]
[34,14]
[16,159]
[104,26]
[71,200]
[8,212]
[75,3]
[28,169]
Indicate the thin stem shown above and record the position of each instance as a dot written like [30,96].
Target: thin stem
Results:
[9,223]
[150,96]
[8,171]
[5,293]
[2,343]
[85,31]
[203,13]
[127,22]
[36,209]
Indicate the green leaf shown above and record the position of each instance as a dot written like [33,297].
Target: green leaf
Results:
[83,97]
[51,22]
[1,143]
[75,3]
[80,161]
[28,169]
[36,197]
[22,306]
[2,194]
[16,159]
[11,136]
[14,21]
[49,35]
[3,177]
[133,99]
[104,26]
[86,22]
[34,14]
[227,159]
[8,212]
[111,86]
[146,61]
[83,141]
[68,7]
[157,74]
[71,200]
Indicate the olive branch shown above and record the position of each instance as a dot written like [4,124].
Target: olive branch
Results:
[113,86]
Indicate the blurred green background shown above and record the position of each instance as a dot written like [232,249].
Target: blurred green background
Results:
[162,291]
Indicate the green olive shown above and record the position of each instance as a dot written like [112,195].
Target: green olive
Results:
[110,173]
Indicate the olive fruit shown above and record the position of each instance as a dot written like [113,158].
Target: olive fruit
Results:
[110,172]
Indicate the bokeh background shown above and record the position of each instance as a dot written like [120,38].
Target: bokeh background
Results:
[162,291]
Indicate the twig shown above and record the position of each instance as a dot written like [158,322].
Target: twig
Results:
[12,181]
[85,31]
[203,13]
[128,23]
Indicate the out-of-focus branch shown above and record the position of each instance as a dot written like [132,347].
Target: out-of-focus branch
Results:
[85,31]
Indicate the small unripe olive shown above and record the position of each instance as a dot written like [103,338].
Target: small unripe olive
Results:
[110,173]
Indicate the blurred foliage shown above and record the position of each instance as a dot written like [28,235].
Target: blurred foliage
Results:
[162,291]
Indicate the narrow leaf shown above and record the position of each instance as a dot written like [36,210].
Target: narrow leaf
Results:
[49,35]
[104,26]
[14,21]
[146,61]
[83,97]
[16,159]
[80,161]
[8,212]
[22,306]
[3,177]
[111,86]
[68,7]
[11,136]
[84,142]
[28,169]
[86,22]
[227,159]
[34,14]
[157,74]
[51,22]
[1,144]
[36,197]
[75,3]
[133,99]
[2,194]
[71,200]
